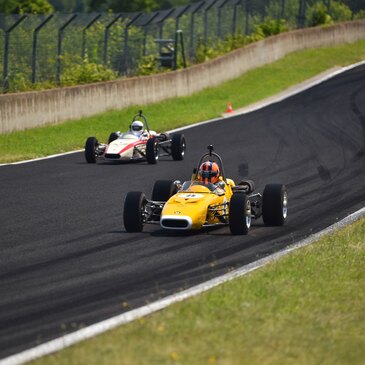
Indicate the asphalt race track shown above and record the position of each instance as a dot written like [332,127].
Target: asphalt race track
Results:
[66,260]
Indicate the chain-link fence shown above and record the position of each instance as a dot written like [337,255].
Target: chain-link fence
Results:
[49,48]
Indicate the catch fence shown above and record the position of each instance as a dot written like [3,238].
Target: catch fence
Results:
[52,48]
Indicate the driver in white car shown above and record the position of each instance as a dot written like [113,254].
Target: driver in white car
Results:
[137,129]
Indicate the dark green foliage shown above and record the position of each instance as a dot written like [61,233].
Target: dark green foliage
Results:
[25,7]
[318,15]
[271,27]
[130,6]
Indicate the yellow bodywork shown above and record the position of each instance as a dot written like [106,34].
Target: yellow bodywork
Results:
[196,206]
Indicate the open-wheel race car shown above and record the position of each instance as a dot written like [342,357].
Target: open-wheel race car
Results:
[138,143]
[208,199]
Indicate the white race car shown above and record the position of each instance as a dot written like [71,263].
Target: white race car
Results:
[139,143]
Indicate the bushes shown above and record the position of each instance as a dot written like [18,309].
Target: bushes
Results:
[321,14]
[267,28]
[86,73]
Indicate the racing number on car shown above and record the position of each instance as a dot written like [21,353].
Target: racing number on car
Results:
[191,196]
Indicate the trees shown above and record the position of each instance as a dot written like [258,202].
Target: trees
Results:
[129,6]
[25,6]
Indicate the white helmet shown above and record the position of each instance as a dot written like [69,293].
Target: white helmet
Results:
[137,127]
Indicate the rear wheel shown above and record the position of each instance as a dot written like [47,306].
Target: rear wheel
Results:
[133,215]
[239,214]
[247,185]
[113,136]
[274,205]
[152,151]
[90,149]
[178,147]
[163,190]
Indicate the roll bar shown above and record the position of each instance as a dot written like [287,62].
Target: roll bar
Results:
[210,153]
[138,117]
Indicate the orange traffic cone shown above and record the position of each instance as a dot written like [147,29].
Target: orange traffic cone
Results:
[229,108]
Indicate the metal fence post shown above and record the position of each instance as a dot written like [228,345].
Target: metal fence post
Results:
[234,18]
[84,35]
[301,14]
[145,28]
[182,47]
[247,15]
[59,47]
[35,43]
[6,52]
[106,38]
[282,10]
[161,21]
[192,25]
[219,19]
[177,32]
[126,38]
[179,15]
[206,23]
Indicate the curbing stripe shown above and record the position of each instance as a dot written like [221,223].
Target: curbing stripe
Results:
[106,325]
[256,106]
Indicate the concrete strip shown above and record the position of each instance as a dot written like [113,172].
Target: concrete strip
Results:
[111,323]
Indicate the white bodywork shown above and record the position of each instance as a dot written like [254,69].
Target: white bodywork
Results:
[127,147]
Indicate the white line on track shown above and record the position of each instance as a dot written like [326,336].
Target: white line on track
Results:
[106,325]
[259,105]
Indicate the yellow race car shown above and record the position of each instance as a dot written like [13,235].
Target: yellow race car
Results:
[208,199]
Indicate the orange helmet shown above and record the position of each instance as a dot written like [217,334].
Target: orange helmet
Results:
[209,172]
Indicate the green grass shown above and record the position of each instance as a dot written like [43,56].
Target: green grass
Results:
[307,308]
[250,87]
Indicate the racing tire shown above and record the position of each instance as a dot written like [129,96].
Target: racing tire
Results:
[163,190]
[152,151]
[90,148]
[239,214]
[132,215]
[113,136]
[163,137]
[248,186]
[178,147]
[274,205]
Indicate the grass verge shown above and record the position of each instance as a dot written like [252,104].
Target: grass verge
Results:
[307,308]
[249,88]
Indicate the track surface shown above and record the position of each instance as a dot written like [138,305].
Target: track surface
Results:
[66,261]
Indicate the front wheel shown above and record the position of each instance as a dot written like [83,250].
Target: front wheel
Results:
[178,147]
[90,149]
[239,214]
[113,136]
[152,151]
[134,209]
[274,204]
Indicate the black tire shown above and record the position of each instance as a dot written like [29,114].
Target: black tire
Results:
[132,214]
[152,150]
[178,147]
[274,205]
[239,214]
[248,185]
[113,136]
[90,148]
[162,137]
[163,190]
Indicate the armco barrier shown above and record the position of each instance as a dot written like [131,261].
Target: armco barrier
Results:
[31,109]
